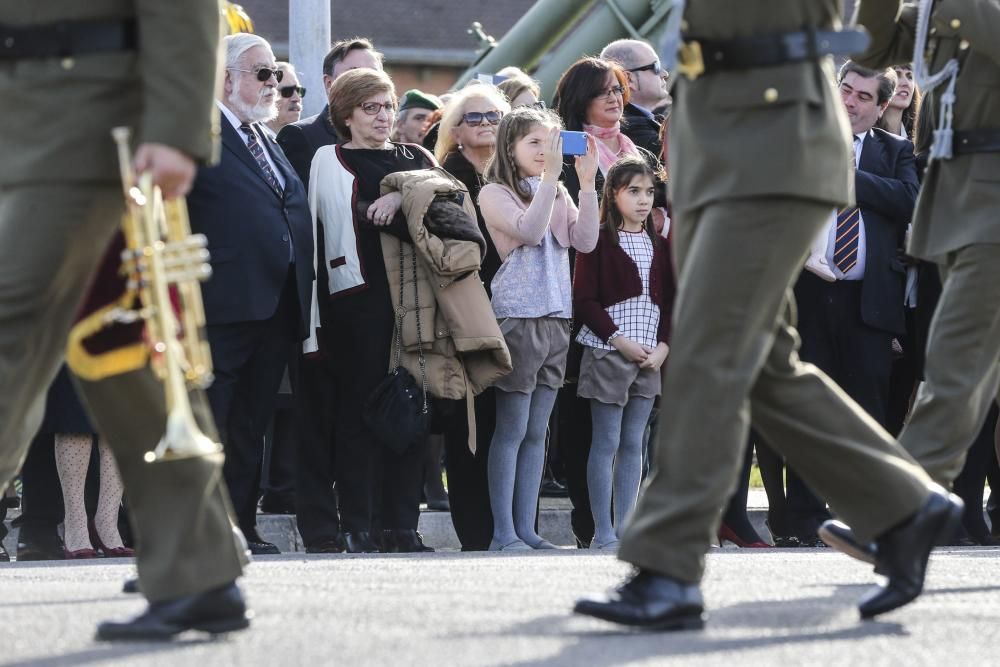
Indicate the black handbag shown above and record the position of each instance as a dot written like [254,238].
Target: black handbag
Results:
[397,411]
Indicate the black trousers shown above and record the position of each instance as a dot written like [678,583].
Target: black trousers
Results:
[468,485]
[315,472]
[855,355]
[41,494]
[278,477]
[377,487]
[249,360]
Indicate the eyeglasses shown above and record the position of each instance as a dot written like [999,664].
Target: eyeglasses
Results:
[540,105]
[288,91]
[655,66]
[611,92]
[476,118]
[263,73]
[372,108]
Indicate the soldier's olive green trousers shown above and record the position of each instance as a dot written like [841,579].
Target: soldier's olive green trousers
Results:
[733,361]
[52,238]
[962,367]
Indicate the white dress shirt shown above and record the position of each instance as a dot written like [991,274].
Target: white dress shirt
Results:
[261,139]
[857,271]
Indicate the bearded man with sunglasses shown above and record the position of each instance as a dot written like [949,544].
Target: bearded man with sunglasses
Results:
[252,208]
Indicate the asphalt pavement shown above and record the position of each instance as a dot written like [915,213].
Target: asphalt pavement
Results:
[767,607]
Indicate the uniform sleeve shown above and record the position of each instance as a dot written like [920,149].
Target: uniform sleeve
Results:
[892,27]
[976,21]
[179,70]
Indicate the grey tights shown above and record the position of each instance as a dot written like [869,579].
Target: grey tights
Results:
[615,463]
[516,460]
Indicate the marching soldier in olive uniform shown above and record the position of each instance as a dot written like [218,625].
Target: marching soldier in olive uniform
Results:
[69,72]
[956,225]
[761,147]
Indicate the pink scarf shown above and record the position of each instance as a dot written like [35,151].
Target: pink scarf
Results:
[605,156]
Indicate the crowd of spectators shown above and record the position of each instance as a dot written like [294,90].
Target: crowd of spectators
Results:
[527,292]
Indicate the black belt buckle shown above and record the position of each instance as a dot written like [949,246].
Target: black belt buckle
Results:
[690,60]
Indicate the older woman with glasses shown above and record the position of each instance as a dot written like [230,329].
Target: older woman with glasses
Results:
[355,308]
[465,145]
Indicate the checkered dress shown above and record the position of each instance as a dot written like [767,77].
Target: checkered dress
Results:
[637,318]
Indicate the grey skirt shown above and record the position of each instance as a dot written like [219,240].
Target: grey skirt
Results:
[608,377]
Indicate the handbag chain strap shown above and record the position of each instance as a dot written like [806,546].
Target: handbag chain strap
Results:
[401,312]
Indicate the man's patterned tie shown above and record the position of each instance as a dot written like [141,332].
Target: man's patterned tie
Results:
[258,154]
[845,248]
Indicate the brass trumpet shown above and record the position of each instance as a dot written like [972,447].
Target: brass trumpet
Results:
[161,253]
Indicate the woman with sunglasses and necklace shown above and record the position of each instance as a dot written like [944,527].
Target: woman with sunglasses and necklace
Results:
[465,145]
[355,309]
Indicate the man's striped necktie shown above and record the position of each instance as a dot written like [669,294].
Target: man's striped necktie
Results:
[258,154]
[845,248]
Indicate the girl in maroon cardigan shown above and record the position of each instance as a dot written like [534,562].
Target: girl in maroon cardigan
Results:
[622,294]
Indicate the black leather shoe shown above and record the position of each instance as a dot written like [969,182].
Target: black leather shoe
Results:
[650,601]
[403,541]
[48,547]
[903,552]
[4,556]
[360,543]
[216,611]
[257,545]
[334,545]
[838,535]
[131,585]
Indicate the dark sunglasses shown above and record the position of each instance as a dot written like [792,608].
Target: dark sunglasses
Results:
[540,105]
[476,118]
[372,108]
[655,66]
[263,74]
[288,91]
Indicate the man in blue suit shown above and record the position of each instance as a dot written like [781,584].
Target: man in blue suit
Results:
[253,209]
[848,324]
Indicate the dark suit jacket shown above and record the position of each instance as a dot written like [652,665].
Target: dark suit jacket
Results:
[886,190]
[248,228]
[301,140]
[642,130]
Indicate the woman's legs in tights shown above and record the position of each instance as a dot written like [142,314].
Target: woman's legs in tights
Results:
[72,461]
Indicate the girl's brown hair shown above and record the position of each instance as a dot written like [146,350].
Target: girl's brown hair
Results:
[618,178]
[502,168]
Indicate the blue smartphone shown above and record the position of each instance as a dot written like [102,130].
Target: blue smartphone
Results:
[573,143]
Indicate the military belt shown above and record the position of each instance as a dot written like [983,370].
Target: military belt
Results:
[966,142]
[698,57]
[67,39]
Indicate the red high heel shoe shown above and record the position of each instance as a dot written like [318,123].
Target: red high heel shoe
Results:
[109,552]
[728,534]
[79,554]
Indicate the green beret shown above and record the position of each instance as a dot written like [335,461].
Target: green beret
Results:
[415,99]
